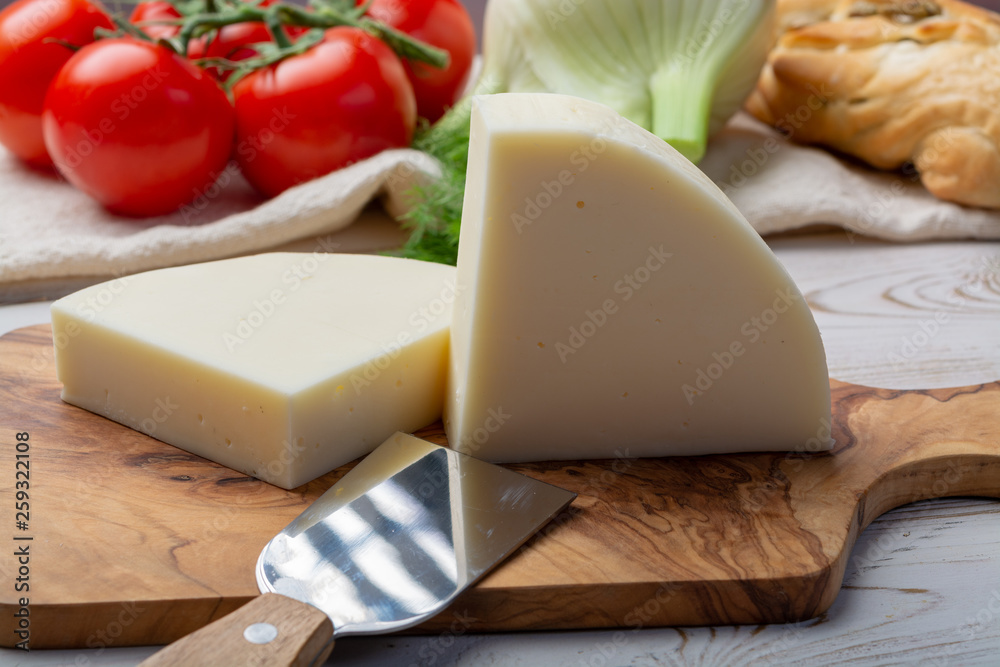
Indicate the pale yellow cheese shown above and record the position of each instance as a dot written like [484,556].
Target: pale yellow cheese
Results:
[282,366]
[613,303]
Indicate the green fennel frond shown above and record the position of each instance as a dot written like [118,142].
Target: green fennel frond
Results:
[435,219]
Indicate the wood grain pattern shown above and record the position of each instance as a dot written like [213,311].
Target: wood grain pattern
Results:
[901,316]
[303,638]
[919,586]
[167,541]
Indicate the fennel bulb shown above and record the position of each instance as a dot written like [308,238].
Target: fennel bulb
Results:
[679,68]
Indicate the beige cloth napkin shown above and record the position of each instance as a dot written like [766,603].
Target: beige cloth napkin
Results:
[49,230]
[780,186]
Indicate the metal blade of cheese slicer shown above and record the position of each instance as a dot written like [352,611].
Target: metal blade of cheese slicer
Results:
[389,545]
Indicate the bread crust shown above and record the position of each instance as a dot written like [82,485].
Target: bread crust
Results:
[892,82]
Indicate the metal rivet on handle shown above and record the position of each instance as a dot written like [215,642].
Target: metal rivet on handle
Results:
[260,633]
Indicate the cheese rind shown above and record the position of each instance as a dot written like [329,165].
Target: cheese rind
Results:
[612,302]
[282,366]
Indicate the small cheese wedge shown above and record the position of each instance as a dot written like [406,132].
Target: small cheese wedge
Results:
[612,302]
[282,366]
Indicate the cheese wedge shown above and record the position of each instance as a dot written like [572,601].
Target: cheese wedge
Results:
[612,302]
[282,366]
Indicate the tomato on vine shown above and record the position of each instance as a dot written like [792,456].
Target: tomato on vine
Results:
[231,42]
[148,16]
[137,127]
[343,100]
[139,123]
[30,56]
[442,23]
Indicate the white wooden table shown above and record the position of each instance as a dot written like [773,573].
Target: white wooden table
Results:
[923,582]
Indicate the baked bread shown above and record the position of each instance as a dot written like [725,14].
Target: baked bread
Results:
[895,83]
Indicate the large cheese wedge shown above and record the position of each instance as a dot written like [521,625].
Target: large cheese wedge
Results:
[282,366]
[612,302]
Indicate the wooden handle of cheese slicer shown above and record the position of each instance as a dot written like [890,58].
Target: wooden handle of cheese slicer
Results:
[269,630]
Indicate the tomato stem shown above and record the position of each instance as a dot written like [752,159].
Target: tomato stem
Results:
[276,27]
[325,14]
[124,27]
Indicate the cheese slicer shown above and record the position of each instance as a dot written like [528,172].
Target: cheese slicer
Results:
[391,544]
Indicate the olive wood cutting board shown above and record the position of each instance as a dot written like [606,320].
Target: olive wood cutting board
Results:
[136,542]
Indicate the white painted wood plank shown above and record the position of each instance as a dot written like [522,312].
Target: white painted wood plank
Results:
[902,317]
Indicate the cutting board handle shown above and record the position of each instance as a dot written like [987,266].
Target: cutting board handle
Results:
[271,630]
[900,446]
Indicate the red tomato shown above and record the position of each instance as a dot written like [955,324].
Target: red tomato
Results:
[28,63]
[343,100]
[441,23]
[156,10]
[137,127]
